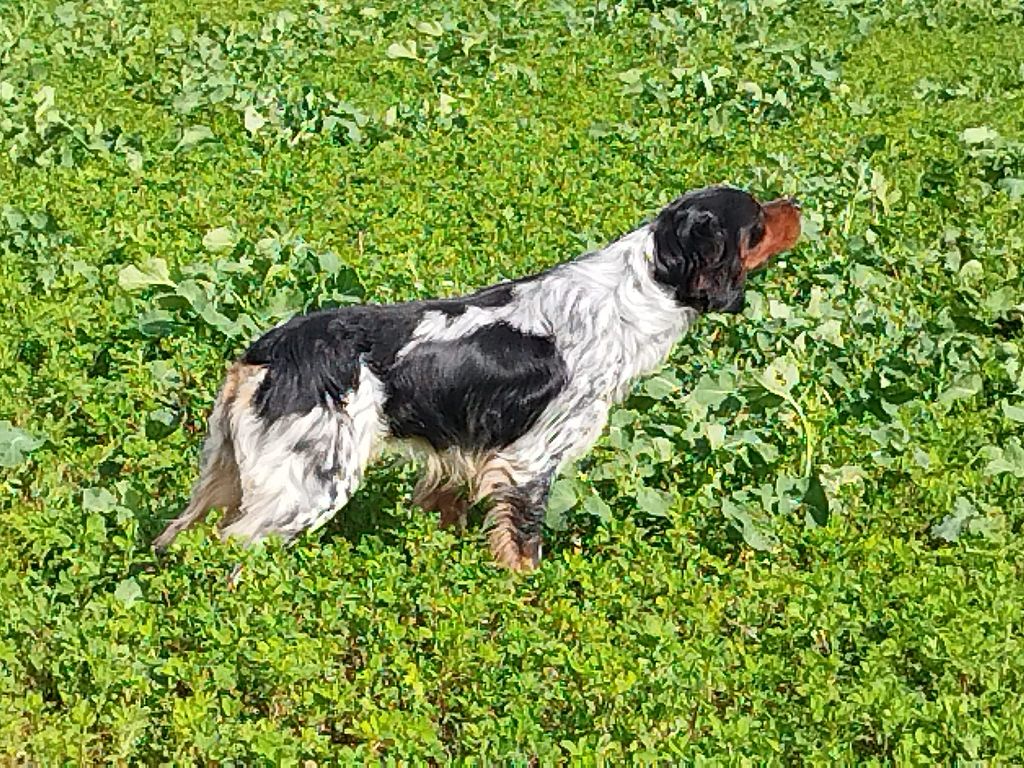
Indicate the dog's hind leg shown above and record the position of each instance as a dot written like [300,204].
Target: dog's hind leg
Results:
[442,487]
[300,470]
[218,484]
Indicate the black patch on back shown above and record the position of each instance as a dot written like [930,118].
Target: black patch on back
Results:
[309,359]
[478,392]
[316,357]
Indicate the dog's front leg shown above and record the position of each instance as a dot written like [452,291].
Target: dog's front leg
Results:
[516,520]
[518,479]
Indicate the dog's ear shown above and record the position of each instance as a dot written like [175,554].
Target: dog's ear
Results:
[688,243]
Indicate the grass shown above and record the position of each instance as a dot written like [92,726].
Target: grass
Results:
[709,595]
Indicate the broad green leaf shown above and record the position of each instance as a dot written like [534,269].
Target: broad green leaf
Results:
[470,40]
[160,423]
[624,417]
[15,443]
[223,323]
[598,507]
[194,294]
[863,276]
[220,239]
[662,449]
[193,135]
[44,98]
[971,272]
[284,303]
[653,502]
[563,497]
[954,524]
[165,374]
[406,50]
[186,101]
[128,592]
[712,390]
[134,160]
[1013,412]
[329,262]
[445,104]
[715,433]
[830,331]
[779,310]
[156,323]
[660,386]
[752,88]
[431,28]
[754,534]
[1000,301]
[151,272]
[780,376]
[963,387]
[883,193]
[98,500]
[253,120]
[1014,187]
[979,135]
[66,14]
[1006,460]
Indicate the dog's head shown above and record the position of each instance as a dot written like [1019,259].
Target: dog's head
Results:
[708,240]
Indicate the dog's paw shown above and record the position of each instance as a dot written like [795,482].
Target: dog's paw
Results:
[509,554]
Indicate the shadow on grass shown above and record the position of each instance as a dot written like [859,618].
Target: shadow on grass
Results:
[372,511]
[382,506]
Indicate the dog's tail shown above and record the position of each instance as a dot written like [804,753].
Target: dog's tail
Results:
[219,484]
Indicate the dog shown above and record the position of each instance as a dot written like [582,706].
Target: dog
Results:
[498,390]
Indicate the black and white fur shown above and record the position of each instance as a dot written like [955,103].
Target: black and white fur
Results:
[498,390]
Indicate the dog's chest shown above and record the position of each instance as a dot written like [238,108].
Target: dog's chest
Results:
[605,365]
[608,335]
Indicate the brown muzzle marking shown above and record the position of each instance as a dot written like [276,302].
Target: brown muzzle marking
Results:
[781,231]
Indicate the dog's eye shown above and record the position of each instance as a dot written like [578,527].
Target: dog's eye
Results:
[755,235]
